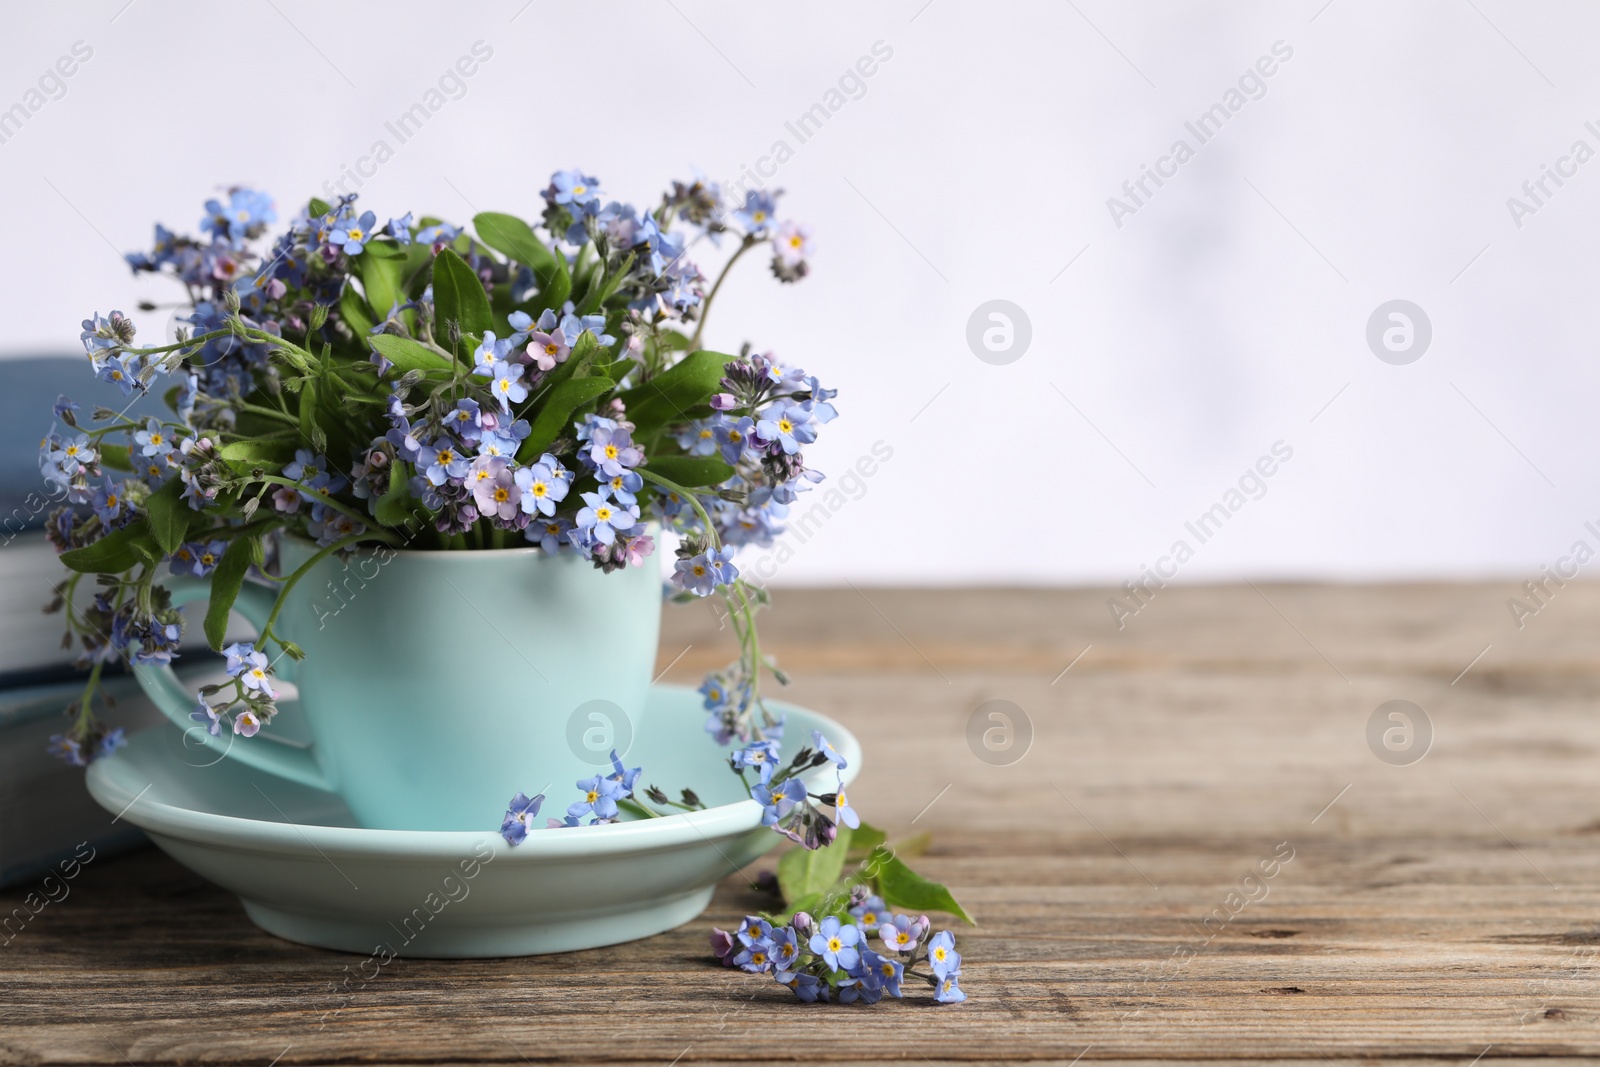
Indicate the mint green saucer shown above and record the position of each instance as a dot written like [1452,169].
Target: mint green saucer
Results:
[306,872]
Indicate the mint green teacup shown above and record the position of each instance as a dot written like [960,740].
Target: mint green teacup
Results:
[437,684]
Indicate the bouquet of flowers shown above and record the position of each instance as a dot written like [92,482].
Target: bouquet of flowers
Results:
[410,382]
[522,383]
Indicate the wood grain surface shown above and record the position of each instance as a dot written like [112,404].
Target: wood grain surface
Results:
[1436,912]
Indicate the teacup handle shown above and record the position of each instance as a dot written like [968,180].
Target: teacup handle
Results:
[176,700]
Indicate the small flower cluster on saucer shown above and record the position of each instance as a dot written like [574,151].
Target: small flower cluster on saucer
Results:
[360,381]
[787,805]
[602,800]
[832,958]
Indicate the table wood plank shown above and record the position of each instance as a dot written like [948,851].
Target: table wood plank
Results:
[1443,910]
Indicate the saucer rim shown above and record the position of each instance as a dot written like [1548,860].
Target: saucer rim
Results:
[287,837]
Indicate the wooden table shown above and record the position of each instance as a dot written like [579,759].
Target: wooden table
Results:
[1447,909]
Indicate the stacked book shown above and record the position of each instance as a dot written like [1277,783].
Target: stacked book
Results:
[45,812]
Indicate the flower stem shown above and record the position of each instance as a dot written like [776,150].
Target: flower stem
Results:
[705,308]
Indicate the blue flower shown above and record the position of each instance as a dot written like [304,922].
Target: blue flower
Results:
[500,440]
[250,667]
[942,955]
[600,796]
[109,743]
[439,235]
[701,574]
[62,458]
[777,803]
[196,559]
[863,984]
[506,384]
[836,943]
[571,187]
[787,425]
[206,715]
[844,813]
[440,461]
[542,488]
[246,209]
[785,947]
[352,234]
[871,913]
[466,420]
[888,971]
[818,405]
[519,817]
[601,519]
[67,749]
[575,326]
[549,534]
[733,437]
[489,352]
[400,228]
[612,451]
[755,934]
[756,215]
[699,438]
[153,440]
[948,992]
[64,409]
[306,466]
[108,503]
[624,776]
[121,370]
[762,755]
[820,743]
[806,986]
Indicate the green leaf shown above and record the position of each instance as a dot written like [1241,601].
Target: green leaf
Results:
[113,553]
[117,457]
[556,412]
[691,472]
[225,583]
[246,455]
[803,872]
[354,311]
[865,838]
[318,207]
[670,395]
[512,237]
[383,280]
[903,888]
[169,515]
[408,355]
[603,293]
[458,295]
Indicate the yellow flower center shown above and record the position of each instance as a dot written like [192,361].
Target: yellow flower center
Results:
[538,489]
[207,559]
[834,944]
[611,451]
[579,190]
[785,426]
[593,796]
[603,514]
[938,954]
[551,348]
[447,456]
[355,233]
[500,494]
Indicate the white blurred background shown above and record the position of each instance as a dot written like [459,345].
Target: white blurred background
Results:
[1226,313]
